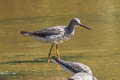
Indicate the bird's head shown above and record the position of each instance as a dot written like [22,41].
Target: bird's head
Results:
[76,22]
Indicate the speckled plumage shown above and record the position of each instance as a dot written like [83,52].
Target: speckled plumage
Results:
[80,71]
[55,34]
[73,67]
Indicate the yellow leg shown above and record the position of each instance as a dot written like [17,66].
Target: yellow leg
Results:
[50,52]
[57,52]
[58,56]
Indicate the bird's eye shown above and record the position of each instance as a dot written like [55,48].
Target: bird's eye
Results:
[76,21]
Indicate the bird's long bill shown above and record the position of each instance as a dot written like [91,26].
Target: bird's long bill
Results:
[85,26]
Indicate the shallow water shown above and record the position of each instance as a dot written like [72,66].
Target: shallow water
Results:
[23,58]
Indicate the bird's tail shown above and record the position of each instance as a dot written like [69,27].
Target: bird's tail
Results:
[58,61]
[25,33]
[55,60]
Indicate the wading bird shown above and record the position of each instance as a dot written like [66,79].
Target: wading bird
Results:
[80,71]
[56,34]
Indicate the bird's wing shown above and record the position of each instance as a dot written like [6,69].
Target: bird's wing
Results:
[74,66]
[47,32]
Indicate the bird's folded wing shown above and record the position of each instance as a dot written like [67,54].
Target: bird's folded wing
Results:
[46,32]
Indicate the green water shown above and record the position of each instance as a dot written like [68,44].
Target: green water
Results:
[23,58]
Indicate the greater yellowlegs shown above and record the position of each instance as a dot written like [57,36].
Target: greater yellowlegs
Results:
[80,71]
[56,34]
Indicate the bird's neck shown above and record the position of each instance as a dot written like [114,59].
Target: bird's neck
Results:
[70,27]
